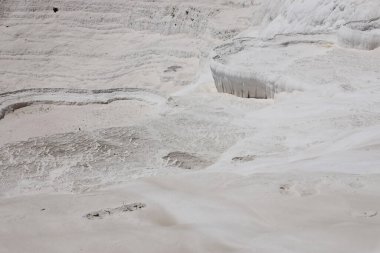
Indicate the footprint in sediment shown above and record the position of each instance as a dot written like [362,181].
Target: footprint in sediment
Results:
[298,189]
[246,158]
[185,160]
[364,214]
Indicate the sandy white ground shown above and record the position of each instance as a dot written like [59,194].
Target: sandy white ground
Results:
[217,173]
[201,212]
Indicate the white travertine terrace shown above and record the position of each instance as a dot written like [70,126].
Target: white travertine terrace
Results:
[251,67]
[294,18]
[241,83]
[236,80]
[360,35]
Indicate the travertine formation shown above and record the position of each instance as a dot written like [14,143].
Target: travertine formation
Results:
[250,67]
[359,28]
[110,102]
[361,35]
[238,79]
[241,84]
